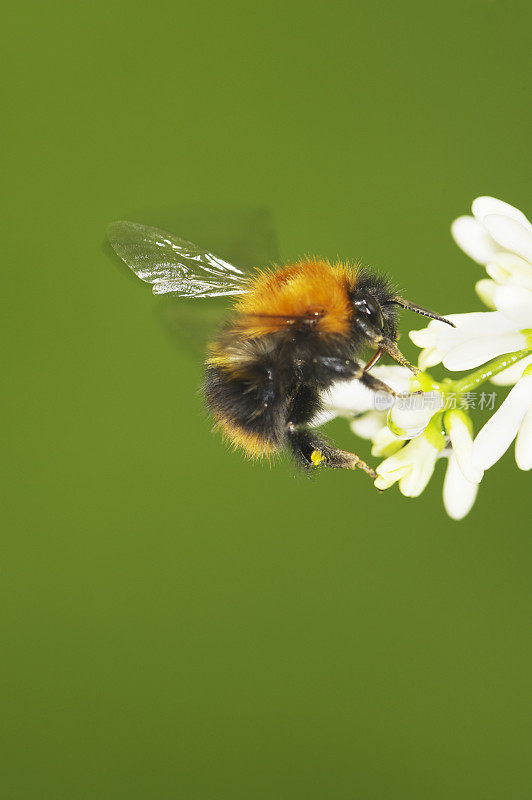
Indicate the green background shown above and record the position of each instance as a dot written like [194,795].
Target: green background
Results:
[176,621]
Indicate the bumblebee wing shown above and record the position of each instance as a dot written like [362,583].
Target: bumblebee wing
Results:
[190,326]
[172,264]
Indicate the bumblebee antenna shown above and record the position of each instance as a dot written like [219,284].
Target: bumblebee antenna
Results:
[420,310]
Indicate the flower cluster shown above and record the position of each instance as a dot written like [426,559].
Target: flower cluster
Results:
[496,344]
[499,237]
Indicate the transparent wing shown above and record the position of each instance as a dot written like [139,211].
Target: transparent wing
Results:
[172,264]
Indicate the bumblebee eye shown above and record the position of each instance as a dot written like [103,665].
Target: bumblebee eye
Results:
[370,306]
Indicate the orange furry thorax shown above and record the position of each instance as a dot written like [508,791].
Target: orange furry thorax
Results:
[312,290]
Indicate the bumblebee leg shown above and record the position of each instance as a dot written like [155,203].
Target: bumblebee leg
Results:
[307,446]
[330,368]
[339,369]
[376,385]
[373,383]
[375,358]
[311,450]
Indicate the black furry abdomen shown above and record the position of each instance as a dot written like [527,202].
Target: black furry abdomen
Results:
[258,389]
[248,409]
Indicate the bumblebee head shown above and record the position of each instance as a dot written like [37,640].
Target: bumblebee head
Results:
[372,318]
[376,316]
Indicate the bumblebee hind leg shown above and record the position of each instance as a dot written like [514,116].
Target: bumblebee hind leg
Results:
[312,450]
[307,446]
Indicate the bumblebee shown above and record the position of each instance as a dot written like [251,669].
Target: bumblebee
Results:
[294,331]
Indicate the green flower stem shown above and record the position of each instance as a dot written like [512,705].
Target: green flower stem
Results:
[488,370]
[426,382]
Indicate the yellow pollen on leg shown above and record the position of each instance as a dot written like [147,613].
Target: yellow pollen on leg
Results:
[317,457]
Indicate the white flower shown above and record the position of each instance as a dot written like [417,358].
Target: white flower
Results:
[406,419]
[458,425]
[459,493]
[499,237]
[478,337]
[388,423]
[495,228]
[385,443]
[513,420]
[372,425]
[411,467]
[369,425]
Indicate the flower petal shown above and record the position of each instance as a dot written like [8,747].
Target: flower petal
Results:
[385,443]
[461,344]
[412,466]
[486,290]
[477,351]
[475,323]
[462,442]
[523,444]
[416,480]
[515,303]
[423,337]
[510,234]
[459,494]
[509,268]
[437,339]
[471,236]
[368,425]
[395,376]
[429,358]
[347,397]
[388,478]
[483,206]
[495,437]
[478,323]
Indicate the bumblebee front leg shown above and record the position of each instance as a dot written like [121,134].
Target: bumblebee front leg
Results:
[311,450]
